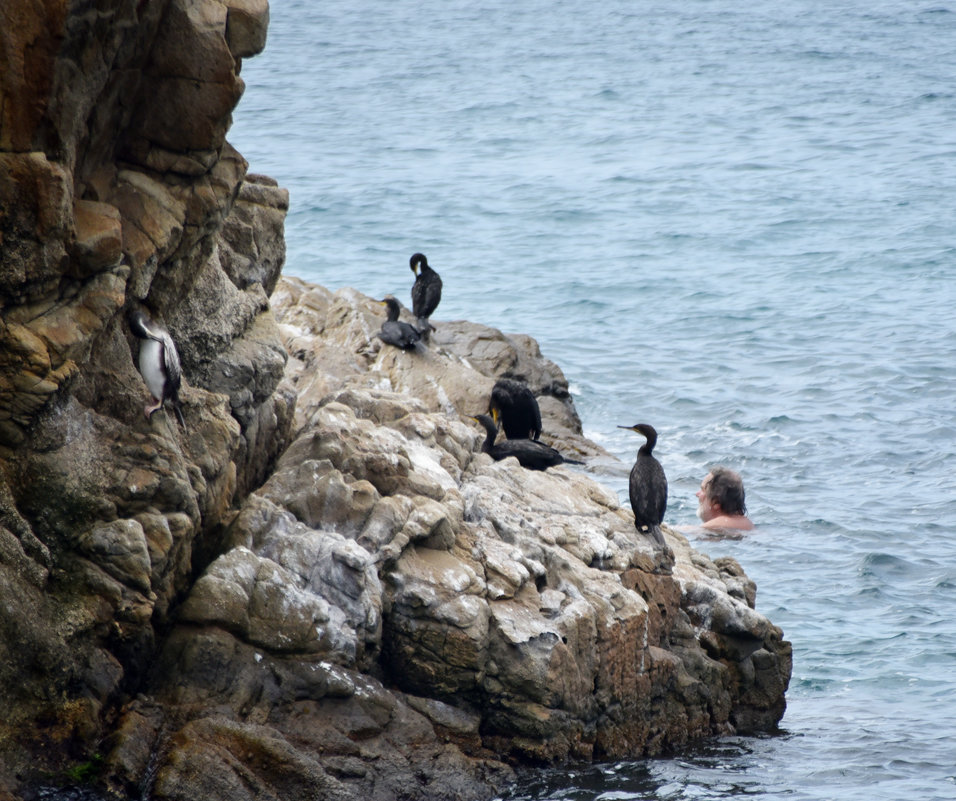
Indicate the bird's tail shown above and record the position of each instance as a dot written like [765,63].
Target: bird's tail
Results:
[572,461]
[655,533]
[178,409]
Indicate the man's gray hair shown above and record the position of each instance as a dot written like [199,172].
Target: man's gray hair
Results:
[727,488]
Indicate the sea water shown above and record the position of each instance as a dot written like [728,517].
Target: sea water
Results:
[734,221]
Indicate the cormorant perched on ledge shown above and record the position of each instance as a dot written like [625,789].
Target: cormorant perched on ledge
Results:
[158,363]
[513,405]
[401,335]
[648,485]
[529,453]
[426,291]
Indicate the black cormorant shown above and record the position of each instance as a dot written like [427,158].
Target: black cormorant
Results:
[158,363]
[514,405]
[401,335]
[648,485]
[529,453]
[426,291]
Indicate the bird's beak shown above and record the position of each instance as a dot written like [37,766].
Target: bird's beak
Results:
[495,415]
[627,428]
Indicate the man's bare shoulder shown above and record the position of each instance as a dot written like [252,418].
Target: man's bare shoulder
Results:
[737,522]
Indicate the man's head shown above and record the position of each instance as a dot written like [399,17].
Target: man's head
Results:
[721,493]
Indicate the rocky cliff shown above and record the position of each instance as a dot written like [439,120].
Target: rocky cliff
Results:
[319,588]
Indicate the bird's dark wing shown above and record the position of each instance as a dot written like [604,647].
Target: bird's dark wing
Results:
[432,295]
[426,294]
[648,492]
[418,297]
[401,335]
[530,454]
[518,407]
[525,417]
[174,371]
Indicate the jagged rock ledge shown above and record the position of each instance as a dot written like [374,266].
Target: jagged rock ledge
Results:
[394,614]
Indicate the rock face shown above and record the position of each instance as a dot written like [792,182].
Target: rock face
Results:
[112,197]
[320,588]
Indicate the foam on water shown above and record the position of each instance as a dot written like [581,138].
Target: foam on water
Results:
[733,221]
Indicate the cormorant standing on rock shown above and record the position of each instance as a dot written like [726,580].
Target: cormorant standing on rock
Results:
[514,405]
[426,292]
[529,453]
[158,363]
[648,485]
[401,335]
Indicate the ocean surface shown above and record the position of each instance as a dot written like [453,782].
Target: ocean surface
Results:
[734,221]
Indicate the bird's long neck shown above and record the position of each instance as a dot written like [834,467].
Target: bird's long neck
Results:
[648,446]
[138,327]
[491,433]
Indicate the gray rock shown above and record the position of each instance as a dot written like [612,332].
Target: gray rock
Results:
[116,185]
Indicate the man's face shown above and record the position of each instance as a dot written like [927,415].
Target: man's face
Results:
[706,508]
